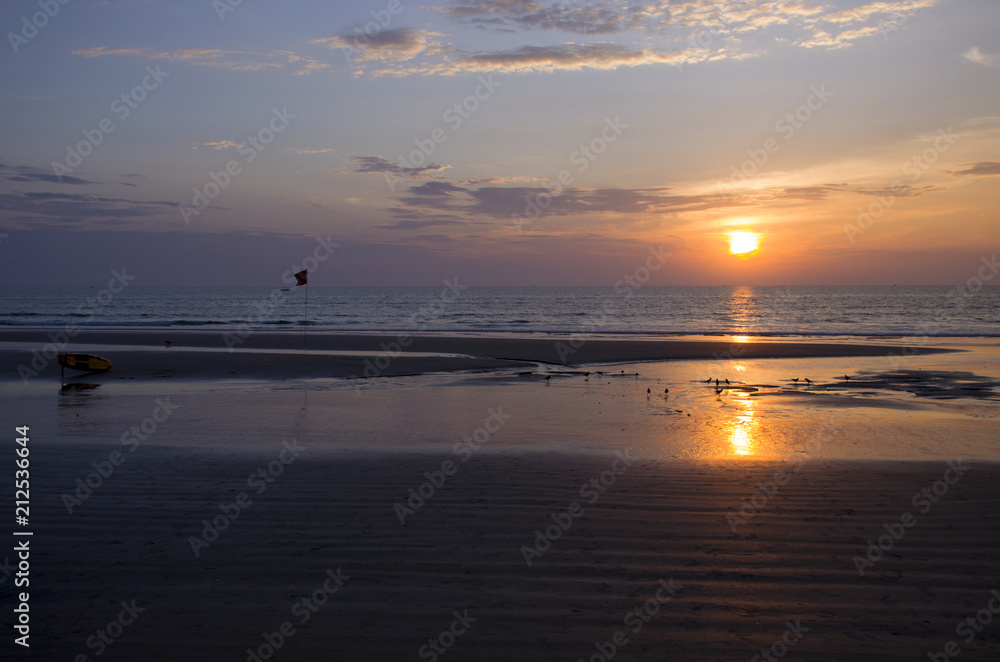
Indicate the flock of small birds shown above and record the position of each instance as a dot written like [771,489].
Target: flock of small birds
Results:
[720,386]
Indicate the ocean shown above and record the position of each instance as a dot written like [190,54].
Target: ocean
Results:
[851,312]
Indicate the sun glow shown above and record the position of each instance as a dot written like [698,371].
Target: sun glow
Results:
[743,242]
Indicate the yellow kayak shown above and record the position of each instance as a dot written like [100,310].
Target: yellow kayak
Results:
[85,362]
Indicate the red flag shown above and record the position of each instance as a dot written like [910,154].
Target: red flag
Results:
[302,278]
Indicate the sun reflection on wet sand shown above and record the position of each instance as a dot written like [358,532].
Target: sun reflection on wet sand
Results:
[744,432]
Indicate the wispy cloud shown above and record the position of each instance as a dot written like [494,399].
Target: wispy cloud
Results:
[463,202]
[78,209]
[399,44]
[676,33]
[991,60]
[29,174]
[219,144]
[379,165]
[232,60]
[980,169]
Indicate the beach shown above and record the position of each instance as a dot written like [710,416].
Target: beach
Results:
[475,501]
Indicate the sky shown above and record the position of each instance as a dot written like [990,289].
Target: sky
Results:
[500,142]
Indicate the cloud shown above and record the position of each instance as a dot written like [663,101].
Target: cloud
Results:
[685,32]
[447,201]
[377,164]
[310,151]
[232,60]
[417,225]
[396,45]
[980,169]
[502,202]
[514,15]
[882,8]
[219,144]
[74,208]
[28,175]
[991,60]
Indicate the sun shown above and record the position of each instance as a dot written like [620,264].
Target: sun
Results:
[743,242]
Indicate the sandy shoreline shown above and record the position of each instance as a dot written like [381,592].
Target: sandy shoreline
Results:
[463,550]
[690,496]
[385,355]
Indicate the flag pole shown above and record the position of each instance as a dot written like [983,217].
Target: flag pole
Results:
[302,278]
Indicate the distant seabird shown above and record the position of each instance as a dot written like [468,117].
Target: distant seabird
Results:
[719,390]
[648,391]
[666,390]
[795,379]
[717,382]
[168,343]
[808,381]
[708,381]
[846,378]
[727,381]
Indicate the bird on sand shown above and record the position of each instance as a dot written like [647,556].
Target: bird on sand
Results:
[719,391]
[727,381]
[708,381]
[666,390]
[808,381]
[648,391]
[846,378]
[795,379]
[716,382]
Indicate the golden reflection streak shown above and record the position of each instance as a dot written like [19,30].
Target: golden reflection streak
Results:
[743,435]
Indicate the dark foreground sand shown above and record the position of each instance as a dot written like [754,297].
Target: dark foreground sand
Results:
[735,592]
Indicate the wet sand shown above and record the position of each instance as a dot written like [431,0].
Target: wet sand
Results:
[280,356]
[463,551]
[739,506]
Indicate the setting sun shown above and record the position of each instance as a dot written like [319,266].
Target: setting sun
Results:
[743,242]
